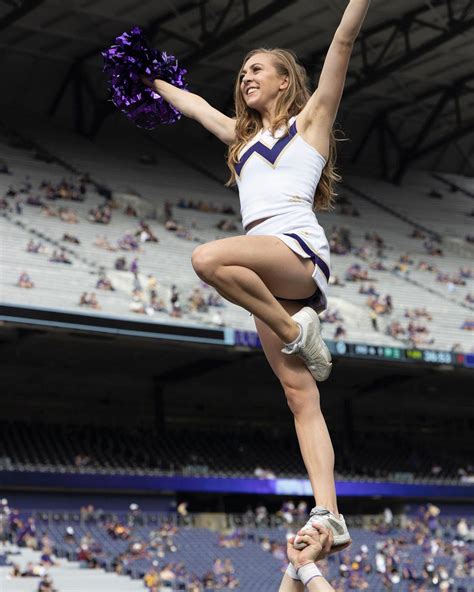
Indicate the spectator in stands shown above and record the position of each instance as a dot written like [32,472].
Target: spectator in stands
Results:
[69,536]
[87,513]
[71,239]
[340,333]
[130,211]
[103,243]
[432,249]
[101,214]
[128,243]
[134,266]
[38,247]
[67,215]
[370,290]
[89,300]
[145,233]
[331,316]
[356,273]
[167,210]
[151,579]
[417,233]
[217,319]
[197,302]
[60,257]
[340,241]
[374,320]
[167,577]
[176,310]
[156,305]
[215,299]
[104,283]
[183,513]
[137,305]
[24,281]
[226,225]
[335,280]
[47,558]
[46,584]
[82,460]
[48,211]
[120,263]
[27,535]
[34,200]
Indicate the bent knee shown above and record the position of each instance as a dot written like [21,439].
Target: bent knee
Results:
[301,400]
[204,262]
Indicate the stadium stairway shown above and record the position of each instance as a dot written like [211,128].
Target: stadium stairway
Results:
[68,576]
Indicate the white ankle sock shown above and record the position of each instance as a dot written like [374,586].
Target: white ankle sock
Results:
[292,344]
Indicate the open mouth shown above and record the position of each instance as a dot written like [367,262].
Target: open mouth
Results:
[251,90]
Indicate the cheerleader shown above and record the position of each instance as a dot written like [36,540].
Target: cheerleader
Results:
[281,154]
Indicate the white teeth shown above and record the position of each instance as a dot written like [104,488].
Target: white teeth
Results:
[251,90]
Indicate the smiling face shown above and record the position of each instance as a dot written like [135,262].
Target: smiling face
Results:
[260,82]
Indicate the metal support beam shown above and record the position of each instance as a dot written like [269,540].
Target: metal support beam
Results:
[78,102]
[231,34]
[457,134]
[405,30]
[216,42]
[150,30]
[374,74]
[19,12]
[414,148]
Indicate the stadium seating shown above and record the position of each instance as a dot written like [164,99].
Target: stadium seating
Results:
[27,447]
[392,212]
[420,551]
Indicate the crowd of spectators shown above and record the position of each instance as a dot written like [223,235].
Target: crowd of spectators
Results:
[394,556]
[155,545]
[176,228]
[371,252]
[340,240]
[205,206]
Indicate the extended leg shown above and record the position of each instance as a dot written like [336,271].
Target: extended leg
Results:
[249,270]
[303,399]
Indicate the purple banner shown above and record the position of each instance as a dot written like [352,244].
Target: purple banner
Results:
[284,487]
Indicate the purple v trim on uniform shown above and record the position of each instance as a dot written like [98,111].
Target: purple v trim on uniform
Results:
[270,154]
[312,255]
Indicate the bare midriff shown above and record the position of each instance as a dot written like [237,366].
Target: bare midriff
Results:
[256,223]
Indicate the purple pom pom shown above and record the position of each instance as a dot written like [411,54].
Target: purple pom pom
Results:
[124,63]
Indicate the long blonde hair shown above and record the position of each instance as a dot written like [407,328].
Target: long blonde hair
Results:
[289,104]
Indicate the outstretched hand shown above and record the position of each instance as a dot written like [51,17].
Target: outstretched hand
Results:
[319,542]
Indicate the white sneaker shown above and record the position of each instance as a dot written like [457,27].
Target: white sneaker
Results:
[311,347]
[322,516]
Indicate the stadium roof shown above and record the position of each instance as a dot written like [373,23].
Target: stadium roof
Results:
[411,73]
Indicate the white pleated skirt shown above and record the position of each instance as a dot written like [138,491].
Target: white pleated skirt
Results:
[301,232]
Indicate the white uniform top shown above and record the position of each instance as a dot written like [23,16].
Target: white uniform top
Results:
[276,175]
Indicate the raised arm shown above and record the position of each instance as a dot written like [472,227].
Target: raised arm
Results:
[320,112]
[197,108]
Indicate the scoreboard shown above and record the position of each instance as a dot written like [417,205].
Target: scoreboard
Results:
[376,352]
[43,318]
